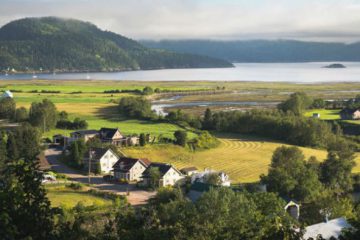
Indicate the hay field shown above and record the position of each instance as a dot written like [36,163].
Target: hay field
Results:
[243,158]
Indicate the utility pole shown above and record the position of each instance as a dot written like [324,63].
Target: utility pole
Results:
[90,156]
[44,122]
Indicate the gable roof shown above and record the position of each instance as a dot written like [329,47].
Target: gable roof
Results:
[7,94]
[348,111]
[163,169]
[128,163]
[86,132]
[188,169]
[98,153]
[327,229]
[108,132]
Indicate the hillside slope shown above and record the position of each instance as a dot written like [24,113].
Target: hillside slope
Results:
[70,45]
[264,50]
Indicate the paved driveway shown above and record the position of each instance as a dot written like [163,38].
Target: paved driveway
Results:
[135,197]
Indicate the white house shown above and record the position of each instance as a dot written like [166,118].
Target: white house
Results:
[7,94]
[130,169]
[202,177]
[106,157]
[169,176]
[326,229]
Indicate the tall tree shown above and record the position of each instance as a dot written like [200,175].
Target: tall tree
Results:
[290,176]
[12,148]
[155,176]
[296,103]
[3,151]
[75,154]
[21,114]
[336,169]
[25,209]
[43,114]
[207,123]
[7,108]
[28,141]
[180,137]
[142,139]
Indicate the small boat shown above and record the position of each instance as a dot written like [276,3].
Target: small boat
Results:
[88,76]
[34,76]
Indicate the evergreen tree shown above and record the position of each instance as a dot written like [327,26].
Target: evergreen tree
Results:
[3,151]
[28,141]
[180,138]
[7,108]
[12,148]
[208,120]
[75,154]
[142,139]
[24,207]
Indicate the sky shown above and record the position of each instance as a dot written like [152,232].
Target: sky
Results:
[309,20]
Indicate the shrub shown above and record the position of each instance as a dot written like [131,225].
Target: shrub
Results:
[75,186]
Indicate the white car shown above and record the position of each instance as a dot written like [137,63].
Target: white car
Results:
[48,178]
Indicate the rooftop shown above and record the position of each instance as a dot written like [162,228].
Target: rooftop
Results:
[128,163]
[86,132]
[327,229]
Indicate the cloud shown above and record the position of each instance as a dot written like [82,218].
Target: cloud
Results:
[326,20]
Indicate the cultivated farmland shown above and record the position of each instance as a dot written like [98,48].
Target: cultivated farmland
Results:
[242,157]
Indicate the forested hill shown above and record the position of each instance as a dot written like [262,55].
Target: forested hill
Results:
[70,45]
[263,50]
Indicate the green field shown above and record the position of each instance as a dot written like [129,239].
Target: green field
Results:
[325,114]
[330,114]
[59,195]
[243,158]
[99,112]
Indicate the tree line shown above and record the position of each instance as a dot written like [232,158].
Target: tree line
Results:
[43,115]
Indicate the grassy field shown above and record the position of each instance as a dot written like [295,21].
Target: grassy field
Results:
[325,114]
[243,158]
[99,111]
[330,114]
[59,195]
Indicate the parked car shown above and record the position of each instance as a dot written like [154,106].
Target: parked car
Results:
[108,178]
[48,178]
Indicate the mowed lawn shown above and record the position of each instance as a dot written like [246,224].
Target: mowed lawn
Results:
[325,114]
[105,114]
[243,158]
[62,196]
[330,114]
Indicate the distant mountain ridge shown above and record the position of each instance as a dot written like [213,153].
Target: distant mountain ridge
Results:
[56,44]
[263,50]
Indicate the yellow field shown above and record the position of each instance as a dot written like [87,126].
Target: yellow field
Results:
[243,159]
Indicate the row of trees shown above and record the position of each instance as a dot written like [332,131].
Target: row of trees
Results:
[43,115]
[274,124]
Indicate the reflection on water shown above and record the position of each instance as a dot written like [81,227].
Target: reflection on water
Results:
[268,72]
[160,109]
